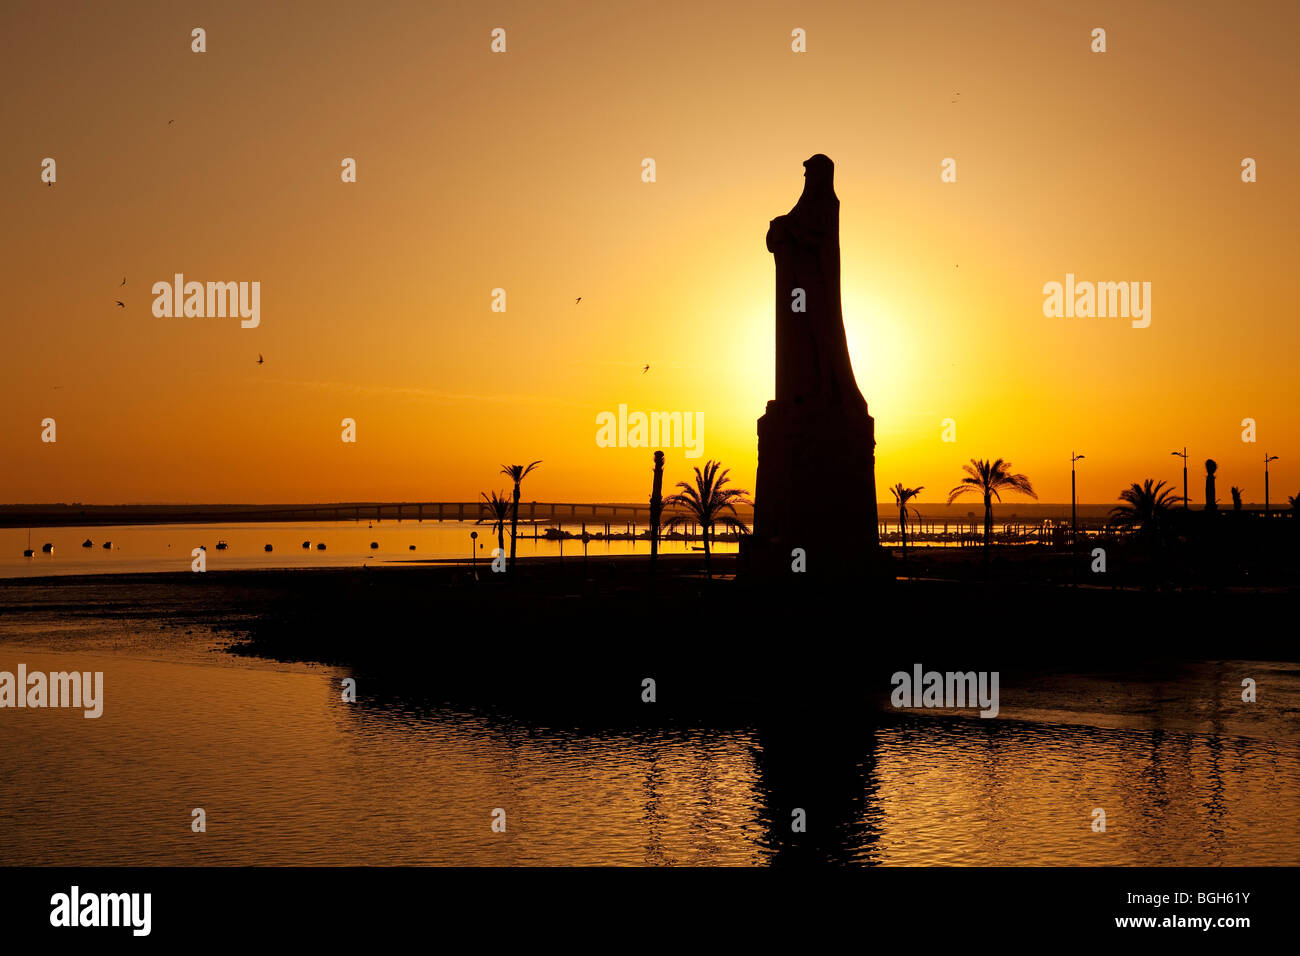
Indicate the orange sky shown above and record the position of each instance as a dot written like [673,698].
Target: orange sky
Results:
[522,170]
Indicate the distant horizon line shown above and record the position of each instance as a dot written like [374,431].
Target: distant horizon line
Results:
[967,504]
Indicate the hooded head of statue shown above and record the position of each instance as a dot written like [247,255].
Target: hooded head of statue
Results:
[819,177]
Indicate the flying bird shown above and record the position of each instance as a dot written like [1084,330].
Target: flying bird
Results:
[120,303]
[123,280]
[259,358]
[577,300]
[169,122]
[646,369]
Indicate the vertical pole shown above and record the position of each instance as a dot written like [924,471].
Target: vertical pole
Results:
[1265,484]
[1074,508]
[656,509]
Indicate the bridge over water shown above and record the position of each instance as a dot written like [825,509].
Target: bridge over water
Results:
[935,527]
[530,512]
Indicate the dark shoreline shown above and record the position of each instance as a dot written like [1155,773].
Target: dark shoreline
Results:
[806,665]
[555,629]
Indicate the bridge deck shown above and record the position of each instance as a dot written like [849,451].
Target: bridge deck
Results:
[21,516]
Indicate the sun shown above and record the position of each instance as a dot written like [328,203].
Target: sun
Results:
[882,350]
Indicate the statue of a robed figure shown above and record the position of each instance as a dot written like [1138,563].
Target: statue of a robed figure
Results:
[816,485]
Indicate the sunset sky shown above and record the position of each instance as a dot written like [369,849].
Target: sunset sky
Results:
[522,170]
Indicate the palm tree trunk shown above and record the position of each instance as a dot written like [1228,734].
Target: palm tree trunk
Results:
[988,525]
[514,525]
[902,529]
[501,536]
[708,566]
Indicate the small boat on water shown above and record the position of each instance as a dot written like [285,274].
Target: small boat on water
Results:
[412,547]
[221,545]
[47,548]
[107,545]
[321,546]
[28,552]
[306,545]
[267,548]
[87,543]
[374,545]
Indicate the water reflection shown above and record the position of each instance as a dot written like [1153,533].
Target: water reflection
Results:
[827,777]
[148,548]
[290,774]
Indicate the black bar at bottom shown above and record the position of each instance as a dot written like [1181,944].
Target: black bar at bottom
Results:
[377,905]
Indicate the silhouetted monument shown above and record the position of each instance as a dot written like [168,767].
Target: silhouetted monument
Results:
[656,508]
[1210,468]
[816,485]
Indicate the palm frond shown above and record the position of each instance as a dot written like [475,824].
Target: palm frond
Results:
[991,478]
[518,473]
[902,494]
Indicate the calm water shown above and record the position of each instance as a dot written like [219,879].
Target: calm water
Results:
[347,544]
[290,774]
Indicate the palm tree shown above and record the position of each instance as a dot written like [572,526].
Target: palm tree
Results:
[901,497]
[1236,498]
[710,504]
[1146,506]
[1295,502]
[498,511]
[516,473]
[990,479]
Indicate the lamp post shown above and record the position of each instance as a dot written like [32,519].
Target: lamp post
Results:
[1183,455]
[473,549]
[1267,459]
[1074,518]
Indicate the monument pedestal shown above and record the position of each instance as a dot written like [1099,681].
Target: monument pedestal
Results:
[816,489]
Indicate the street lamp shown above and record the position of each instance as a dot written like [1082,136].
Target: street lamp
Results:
[1183,455]
[1267,459]
[473,550]
[1074,519]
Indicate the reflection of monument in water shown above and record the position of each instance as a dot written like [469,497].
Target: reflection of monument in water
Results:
[816,485]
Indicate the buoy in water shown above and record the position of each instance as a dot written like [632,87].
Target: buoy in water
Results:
[47,548]
[321,546]
[87,543]
[266,548]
